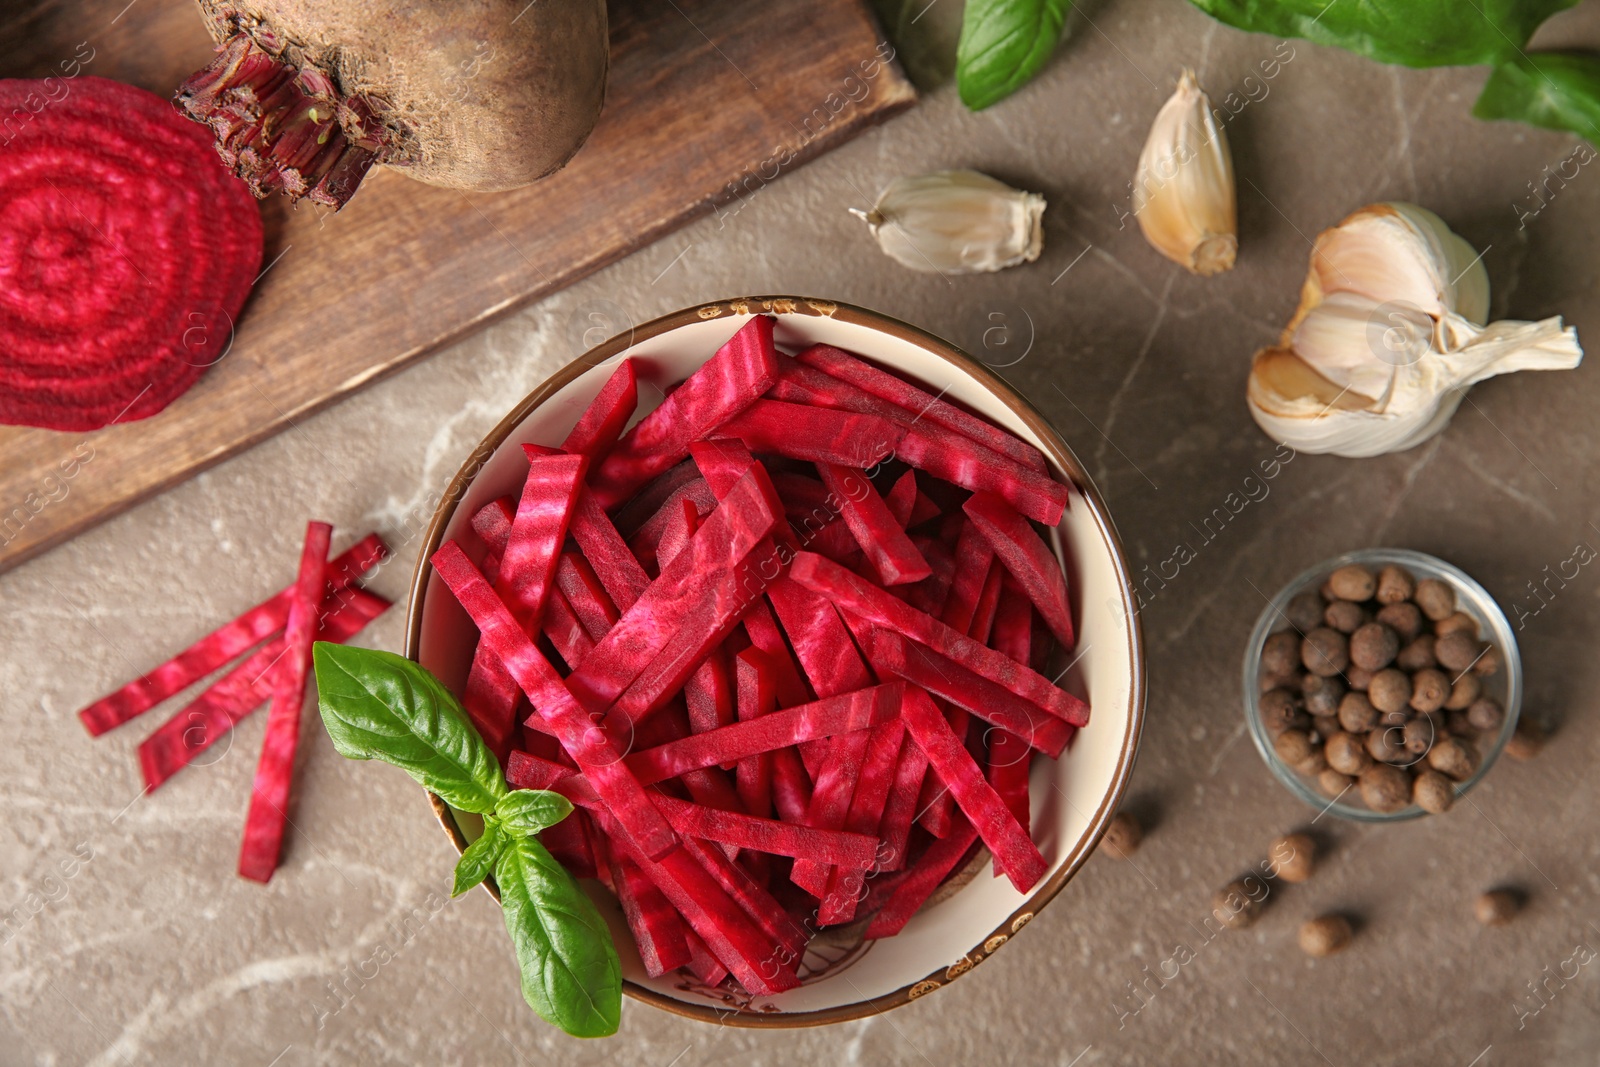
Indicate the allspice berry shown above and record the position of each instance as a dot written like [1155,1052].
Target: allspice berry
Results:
[1436,598]
[1390,690]
[1458,622]
[1344,616]
[1281,710]
[1356,713]
[1433,792]
[1404,618]
[1280,655]
[1456,650]
[1305,611]
[1374,646]
[1322,695]
[1325,935]
[1293,746]
[1486,714]
[1417,735]
[1452,759]
[1358,677]
[1293,855]
[1418,655]
[1386,744]
[1238,904]
[1313,764]
[1346,753]
[1325,652]
[1333,784]
[1395,585]
[1429,690]
[1526,741]
[1496,907]
[1123,836]
[1385,788]
[1464,693]
[1353,582]
[1489,662]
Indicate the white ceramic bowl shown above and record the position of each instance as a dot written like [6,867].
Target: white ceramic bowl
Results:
[1072,799]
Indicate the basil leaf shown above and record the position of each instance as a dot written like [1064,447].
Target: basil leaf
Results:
[1414,33]
[377,705]
[570,972]
[1003,44]
[1556,90]
[532,810]
[478,860]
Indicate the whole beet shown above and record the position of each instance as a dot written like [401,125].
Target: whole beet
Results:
[473,94]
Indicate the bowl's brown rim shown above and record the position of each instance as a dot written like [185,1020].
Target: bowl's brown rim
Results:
[1054,446]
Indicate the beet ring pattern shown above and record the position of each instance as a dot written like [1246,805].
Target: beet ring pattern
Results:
[126,252]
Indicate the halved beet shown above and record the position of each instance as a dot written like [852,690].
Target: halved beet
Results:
[126,252]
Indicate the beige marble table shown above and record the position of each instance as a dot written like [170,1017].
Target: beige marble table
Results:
[152,951]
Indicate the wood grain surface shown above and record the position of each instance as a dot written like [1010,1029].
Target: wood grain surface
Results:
[707,101]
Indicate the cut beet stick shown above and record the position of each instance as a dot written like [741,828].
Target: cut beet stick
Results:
[586,595]
[587,743]
[902,499]
[756,902]
[694,819]
[758,962]
[706,574]
[645,544]
[702,964]
[1028,558]
[613,561]
[492,522]
[919,404]
[724,385]
[658,932]
[269,796]
[636,512]
[974,560]
[901,809]
[1009,755]
[924,876]
[528,565]
[567,635]
[708,692]
[221,645]
[816,435]
[756,695]
[861,598]
[197,726]
[830,803]
[968,464]
[830,716]
[883,539]
[800,384]
[947,755]
[866,812]
[897,657]
[602,422]
[988,603]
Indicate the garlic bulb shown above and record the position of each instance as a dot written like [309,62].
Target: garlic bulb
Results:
[956,222]
[1183,192]
[1388,338]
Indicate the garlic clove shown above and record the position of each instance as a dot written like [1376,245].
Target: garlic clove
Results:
[957,222]
[1388,338]
[1183,190]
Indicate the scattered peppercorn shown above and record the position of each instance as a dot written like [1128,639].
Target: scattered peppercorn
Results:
[1293,855]
[1123,836]
[1497,907]
[1238,904]
[1526,741]
[1325,935]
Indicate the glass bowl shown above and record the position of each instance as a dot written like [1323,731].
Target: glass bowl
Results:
[1504,685]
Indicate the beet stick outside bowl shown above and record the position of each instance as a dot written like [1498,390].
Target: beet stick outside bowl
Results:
[844,977]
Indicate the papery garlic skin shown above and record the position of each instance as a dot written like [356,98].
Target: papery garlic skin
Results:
[957,222]
[1183,191]
[1388,338]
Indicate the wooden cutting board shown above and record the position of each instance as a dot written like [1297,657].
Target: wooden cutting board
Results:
[707,100]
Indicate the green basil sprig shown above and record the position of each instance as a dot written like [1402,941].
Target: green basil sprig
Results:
[1554,90]
[1004,43]
[377,705]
